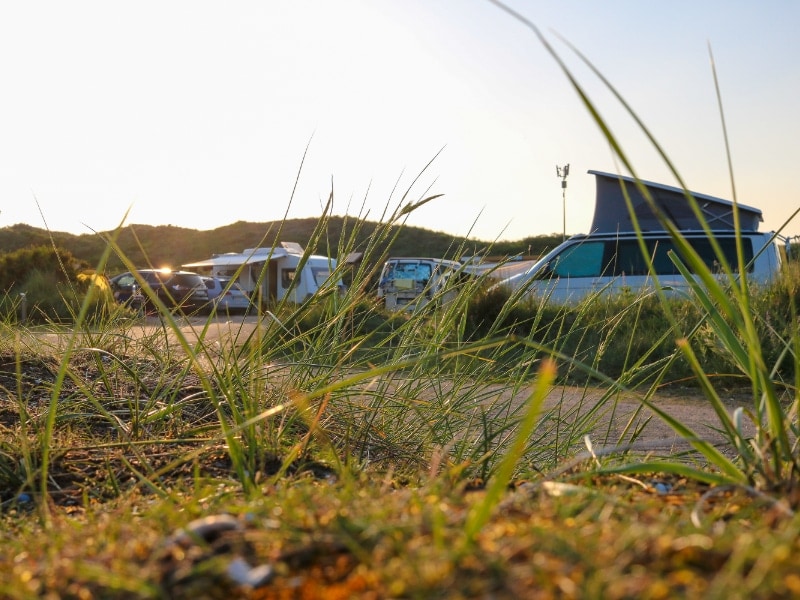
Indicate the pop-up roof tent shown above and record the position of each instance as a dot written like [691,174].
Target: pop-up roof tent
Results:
[611,212]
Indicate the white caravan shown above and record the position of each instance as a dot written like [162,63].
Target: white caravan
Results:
[275,268]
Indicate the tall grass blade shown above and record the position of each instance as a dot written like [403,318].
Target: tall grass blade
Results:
[481,511]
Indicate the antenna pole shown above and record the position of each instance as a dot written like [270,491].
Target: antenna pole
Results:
[561,173]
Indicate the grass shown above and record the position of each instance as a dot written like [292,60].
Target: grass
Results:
[369,537]
[335,451]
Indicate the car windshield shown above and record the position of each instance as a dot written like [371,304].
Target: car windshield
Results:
[185,279]
[155,276]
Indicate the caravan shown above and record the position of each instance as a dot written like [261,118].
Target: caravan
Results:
[610,260]
[278,271]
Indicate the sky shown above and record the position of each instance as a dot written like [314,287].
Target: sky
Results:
[200,114]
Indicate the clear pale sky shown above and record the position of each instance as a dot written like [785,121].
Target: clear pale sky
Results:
[197,113]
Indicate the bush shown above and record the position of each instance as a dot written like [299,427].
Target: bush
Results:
[54,284]
[615,334]
[489,311]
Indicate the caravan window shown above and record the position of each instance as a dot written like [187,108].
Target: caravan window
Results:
[320,275]
[288,276]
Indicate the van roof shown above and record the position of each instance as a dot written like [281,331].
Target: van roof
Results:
[693,233]
[611,211]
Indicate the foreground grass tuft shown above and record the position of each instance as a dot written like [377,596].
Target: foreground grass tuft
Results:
[369,538]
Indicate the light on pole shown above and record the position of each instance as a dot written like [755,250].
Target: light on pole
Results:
[562,172]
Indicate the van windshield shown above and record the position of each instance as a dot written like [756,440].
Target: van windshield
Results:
[410,270]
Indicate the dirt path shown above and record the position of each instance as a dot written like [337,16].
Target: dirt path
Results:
[688,406]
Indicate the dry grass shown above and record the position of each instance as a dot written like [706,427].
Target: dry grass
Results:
[372,538]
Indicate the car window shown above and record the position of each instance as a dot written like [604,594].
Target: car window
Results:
[412,270]
[150,276]
[704,248]
[625,257]
[125,281]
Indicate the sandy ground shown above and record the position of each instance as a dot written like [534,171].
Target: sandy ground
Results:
[688,405]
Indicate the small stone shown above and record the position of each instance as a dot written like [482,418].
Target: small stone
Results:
[241,573]
[661,488]
[206,529]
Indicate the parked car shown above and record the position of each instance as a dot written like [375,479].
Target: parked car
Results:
[178,290]
[226,297]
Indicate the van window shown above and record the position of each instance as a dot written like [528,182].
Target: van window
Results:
[728,246]
[581,260]
[627,259]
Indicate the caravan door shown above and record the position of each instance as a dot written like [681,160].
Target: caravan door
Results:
[272,281]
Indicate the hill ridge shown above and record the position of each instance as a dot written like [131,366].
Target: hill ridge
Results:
[173,245]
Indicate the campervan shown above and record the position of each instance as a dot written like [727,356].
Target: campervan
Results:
[276,273]
[607,264]
[611,260]
[408,283]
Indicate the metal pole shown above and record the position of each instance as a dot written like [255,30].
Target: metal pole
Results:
[562,173]
[23,307]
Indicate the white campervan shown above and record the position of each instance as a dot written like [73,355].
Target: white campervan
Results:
[610,260]
[612,263]
[275,272]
